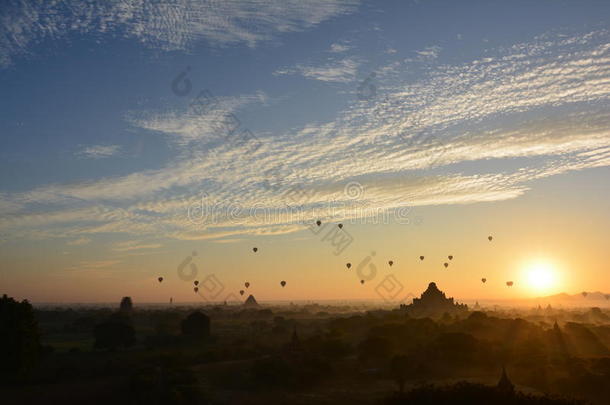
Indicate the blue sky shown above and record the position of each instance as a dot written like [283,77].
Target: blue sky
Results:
[474,102]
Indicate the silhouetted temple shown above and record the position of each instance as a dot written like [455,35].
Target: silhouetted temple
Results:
[295,343]
[505,385]
[433,301]
[126,305]
[293,350]
[251,302]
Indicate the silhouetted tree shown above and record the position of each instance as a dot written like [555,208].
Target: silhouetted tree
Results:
[196,324]
[471,394]
[167,323]
[399,368]
[456,348]
[374,350]
[19,339]
[289,373]
[114,333]
[167,385]
[126,305]
[328,347]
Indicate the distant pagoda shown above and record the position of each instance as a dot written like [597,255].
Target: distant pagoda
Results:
[505,386]
[433,301]
[295,343]
[251,302]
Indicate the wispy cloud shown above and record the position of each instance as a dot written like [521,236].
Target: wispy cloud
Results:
[426,55]
[94,265]
[167,25]
[341,71]
[79,242]
[98,151]
[340,47]
[131,245]
[429,53]
[190,128]
[227,241]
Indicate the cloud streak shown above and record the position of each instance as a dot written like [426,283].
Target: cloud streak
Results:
[341,71]
[99,151]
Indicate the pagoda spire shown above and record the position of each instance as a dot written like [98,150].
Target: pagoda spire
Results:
[505,385]
[295,337]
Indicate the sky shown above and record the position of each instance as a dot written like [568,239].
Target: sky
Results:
[144,139]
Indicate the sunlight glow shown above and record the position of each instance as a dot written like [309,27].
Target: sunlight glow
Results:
[541,275]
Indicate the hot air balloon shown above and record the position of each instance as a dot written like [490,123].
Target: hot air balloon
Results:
[390,263]
[196,289]
[446,265]
[584,294]
[318,222]
[421,258]
[255,249]
[247,284]
[509,283]
[450,257]
[340,226]
[283,283]
[361,281]
[196,282]
[490,237]
[483,279]
[241,292]
[160,279]
[348,265]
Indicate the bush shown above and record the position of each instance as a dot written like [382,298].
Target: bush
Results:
[471,394]
[283,373]
[19,340]
[114,333]
[167,385]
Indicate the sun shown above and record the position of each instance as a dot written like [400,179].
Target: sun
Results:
[541,275]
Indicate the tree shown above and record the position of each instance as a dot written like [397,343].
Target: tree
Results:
[196,324]
[375,350]
[114,333]
[399,368]
[167,385]
[471,394]
[19,339]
